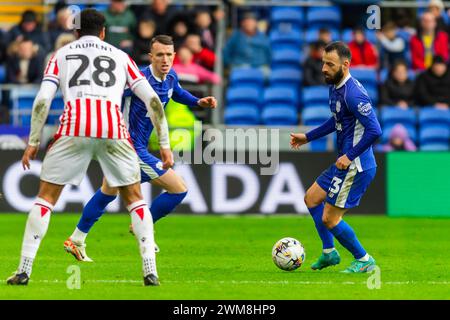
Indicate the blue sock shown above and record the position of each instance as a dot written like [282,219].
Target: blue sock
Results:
[165,203]
[324,233]
[93,210]
[347,237]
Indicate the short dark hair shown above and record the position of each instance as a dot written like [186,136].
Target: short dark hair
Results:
[92,22]
[341,49]
[163,39]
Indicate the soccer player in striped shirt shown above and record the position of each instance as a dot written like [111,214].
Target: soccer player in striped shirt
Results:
[342,185]
[164,81]
[92,76]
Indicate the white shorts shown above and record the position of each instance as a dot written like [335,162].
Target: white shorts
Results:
[67,161]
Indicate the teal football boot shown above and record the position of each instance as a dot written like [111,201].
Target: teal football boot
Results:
[326,260]
[361,266]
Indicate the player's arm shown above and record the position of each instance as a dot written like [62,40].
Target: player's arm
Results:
[362,109]
[183,96]
[39,113]
[299,139]
[155,109]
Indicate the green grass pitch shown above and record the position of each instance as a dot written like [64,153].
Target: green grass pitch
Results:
[212,257]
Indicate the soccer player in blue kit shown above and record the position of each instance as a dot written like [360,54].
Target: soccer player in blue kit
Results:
[164,81]
[341,186]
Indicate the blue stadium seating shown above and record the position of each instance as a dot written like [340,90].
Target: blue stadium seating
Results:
[412,132]
[2,73]
[434,147]
[385,72]
[347,35]
[274,95]
[367,76]
[286,78]
[315,95]
[430,135]
[323,17]
[390,116]
[244,114]
[312,34]
[56,109]
[373,94]
[246,76]
[279,116]
[243,95]
[315,116]
[286,59]
[287,18]
[431,118]
[293,38]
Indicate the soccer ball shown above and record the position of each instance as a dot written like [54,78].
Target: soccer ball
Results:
[288,254]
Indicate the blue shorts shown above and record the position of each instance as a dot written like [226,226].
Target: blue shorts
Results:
[345,187]
[151,166]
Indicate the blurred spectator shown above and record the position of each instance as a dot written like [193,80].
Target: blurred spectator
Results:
[325,35]
[120,25]
[179,28]
[392,46]
[247,46]
[364,54]
[60,25]
[2,46]
[30,28]
[61,41]
[399,140]
[433,85]
[25,63]
[160,12]
[398,90]
[403,19]
[428,42]
[312,68]
[187,70]
[204,27]
[145,32]
[436,7]
[202,56]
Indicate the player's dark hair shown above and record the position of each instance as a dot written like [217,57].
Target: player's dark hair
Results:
[163,39]
[341,49]
[92,23]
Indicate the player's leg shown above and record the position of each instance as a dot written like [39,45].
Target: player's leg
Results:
[66,152]
[92,211]
[348,188]
[166,202]
[314,200]
[120,167]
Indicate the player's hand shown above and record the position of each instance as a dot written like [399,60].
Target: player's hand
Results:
[29,153]
[343,162]
[297,140]
[207,102]
[167,158]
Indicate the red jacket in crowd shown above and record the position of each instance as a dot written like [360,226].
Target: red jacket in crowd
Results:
[363,55]
[440,48]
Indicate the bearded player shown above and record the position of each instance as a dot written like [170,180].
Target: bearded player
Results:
[342,185]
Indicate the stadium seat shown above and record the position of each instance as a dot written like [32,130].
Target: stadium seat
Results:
[286,78]
[315,95]
[244,114]
[372,91]
[249,95]
[274,95]
[279,116]
[438,135]
[312,34]
[323,17]
[22,102]
[292,38]
[286,59]
[2,74]
[56,109]
[246,76]
[287,18]
[394,115]
[434,147]
[432,117]
[347,35]
[412,132]
[385,72]
[315,116]
[367,76]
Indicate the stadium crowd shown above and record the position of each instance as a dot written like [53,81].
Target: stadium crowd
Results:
[408,59]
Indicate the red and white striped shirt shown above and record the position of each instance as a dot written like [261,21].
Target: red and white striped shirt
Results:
[92,75]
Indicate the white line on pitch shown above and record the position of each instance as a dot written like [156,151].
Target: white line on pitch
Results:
[254,282]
